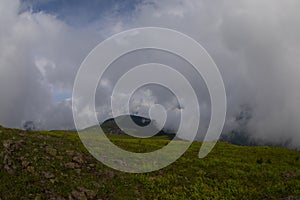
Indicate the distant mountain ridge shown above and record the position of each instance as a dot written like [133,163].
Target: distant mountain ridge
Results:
[110,126]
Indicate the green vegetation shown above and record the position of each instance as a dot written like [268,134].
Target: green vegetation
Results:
[55,164]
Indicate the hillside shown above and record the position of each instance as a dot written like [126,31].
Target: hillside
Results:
[111,128]
[55,165]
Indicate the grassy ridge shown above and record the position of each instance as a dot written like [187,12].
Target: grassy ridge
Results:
[45,165]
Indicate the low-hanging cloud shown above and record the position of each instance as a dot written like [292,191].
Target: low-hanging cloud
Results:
[254,43]
[39,56]
[256,47]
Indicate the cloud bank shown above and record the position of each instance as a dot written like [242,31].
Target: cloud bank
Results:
[254,43]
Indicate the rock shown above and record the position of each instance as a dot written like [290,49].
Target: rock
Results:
[78,159]
[48,175]
[21,134]
[7,144]
[63,175]
[90,194]
[288,175]
[77,195]
[30,169]
[11,145]
[291,198]
[78,171]
[9,165]
[52,196]
[43,137]
[25,163]
[70,153]
[92,165]
[7,160]
[81,189]
[51,151]
[9,169]
[70,165]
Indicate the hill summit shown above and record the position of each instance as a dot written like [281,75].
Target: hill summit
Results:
[111,127]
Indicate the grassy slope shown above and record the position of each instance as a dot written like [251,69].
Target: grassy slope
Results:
[43,165]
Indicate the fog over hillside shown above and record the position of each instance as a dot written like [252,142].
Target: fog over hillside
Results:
[254,43]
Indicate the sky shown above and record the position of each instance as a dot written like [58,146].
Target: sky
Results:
[254,43]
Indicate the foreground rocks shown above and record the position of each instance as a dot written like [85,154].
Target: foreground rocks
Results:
[15,161]
[82,193]
[10,146]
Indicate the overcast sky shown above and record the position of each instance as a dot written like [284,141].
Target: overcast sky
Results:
[255,44]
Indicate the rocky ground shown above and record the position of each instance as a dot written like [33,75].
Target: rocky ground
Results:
[55,165]
[39,159]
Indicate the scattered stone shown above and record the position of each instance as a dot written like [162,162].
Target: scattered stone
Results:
[21,134]
[77,195]
[291,198]
[51,151]
[70,153]
[289,175]
[48,175]
[7,144]
[9,169]
[9,165]
[7,160]
[52,196]
[25,163]
[30,169]
[78,159]
[43,137]
[63,175]
[78,171]
[92,165]
[70,165]
[12,145]
[90,194]
[44,144]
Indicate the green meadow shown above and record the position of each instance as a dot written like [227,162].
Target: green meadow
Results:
[56,165]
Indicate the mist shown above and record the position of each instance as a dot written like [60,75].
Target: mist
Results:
[254,43]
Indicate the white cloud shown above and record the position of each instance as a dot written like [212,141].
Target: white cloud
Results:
[37,53]
[255,44]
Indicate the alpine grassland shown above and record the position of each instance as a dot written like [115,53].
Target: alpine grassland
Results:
[56,165]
